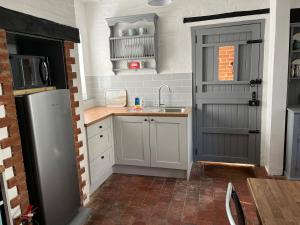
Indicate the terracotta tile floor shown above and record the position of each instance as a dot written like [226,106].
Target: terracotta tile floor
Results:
[140,200]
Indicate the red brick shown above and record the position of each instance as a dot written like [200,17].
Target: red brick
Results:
[80,158]
[7,142]
[75,104]
[15,202]
[69,45]
[76,118]
[70,60]
[17,157]
[72,75]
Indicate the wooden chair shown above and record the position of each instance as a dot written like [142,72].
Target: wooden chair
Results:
[231,194]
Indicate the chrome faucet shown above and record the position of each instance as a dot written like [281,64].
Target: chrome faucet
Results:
[159,94]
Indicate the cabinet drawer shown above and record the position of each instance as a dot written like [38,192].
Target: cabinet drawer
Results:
[98,127]
[100,165]
[99,143]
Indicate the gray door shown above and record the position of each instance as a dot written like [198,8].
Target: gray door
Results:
[54,154]
[226,60]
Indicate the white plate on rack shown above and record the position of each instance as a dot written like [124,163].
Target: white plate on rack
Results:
[296,37]
[296,62]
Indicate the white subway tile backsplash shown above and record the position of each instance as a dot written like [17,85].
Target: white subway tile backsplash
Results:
[145,86]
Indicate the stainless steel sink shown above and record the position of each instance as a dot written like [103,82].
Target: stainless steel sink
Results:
[145,109]
[156,109]
[172,109]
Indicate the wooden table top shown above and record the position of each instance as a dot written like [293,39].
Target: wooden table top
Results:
[277,201]
[97,114]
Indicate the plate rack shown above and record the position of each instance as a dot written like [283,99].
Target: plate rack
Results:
[133,39]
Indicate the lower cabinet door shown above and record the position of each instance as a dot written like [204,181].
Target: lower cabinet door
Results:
[132,140]
[168,142]
[100,166]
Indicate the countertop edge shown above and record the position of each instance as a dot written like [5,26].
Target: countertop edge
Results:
[160,114]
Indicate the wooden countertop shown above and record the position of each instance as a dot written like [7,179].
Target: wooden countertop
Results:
[97,114]
[277,201]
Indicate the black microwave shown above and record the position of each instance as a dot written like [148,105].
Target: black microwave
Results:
[30,71]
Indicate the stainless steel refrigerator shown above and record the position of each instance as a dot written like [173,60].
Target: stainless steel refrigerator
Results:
[45,123]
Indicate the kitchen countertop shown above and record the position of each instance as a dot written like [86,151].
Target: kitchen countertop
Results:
[97,114]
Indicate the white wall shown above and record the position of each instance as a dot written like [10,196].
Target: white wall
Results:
[60,11]
[277,92]
[295,3]
[56,10]
[174,46]
[174,36]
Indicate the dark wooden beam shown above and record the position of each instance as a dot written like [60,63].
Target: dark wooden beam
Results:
[22,23]
[226,15]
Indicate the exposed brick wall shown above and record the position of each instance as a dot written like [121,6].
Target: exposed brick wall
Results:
[10,122]
[76,117]
[226,60]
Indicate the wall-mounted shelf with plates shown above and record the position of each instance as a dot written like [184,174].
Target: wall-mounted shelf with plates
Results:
[133,41]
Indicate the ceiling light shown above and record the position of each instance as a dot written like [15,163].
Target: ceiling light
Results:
[159,2]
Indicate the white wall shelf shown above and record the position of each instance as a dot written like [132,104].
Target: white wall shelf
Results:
[133,38]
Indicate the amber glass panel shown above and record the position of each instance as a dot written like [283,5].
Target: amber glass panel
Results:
[226,62]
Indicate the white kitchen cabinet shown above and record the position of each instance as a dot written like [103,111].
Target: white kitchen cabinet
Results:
[168,142]
[159,142]
[132,140]
[100,152]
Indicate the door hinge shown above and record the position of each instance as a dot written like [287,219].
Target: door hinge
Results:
[196,39]
[196,107]
[254,131]
[258,41]
[196,151]
[196,89]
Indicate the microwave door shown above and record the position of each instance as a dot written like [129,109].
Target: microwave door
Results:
[17,72]
[44,70]
[27,68]
[36,79]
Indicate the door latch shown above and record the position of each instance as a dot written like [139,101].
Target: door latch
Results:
[254,101]
[254,131]
[258,41]
[255,82]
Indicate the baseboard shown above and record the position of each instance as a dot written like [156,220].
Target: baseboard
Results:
[148,171]
[101,180]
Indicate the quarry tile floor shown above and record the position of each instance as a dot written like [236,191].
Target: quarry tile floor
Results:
[141,200]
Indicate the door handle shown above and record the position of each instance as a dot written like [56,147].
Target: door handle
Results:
[254,101]
[255,82]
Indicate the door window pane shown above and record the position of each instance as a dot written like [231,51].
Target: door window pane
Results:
[226,63]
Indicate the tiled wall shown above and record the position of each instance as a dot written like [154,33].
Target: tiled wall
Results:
[145,86]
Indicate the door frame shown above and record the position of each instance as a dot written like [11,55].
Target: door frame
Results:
[194,29]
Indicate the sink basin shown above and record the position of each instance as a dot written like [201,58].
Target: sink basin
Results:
[173,109]
[145,109]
